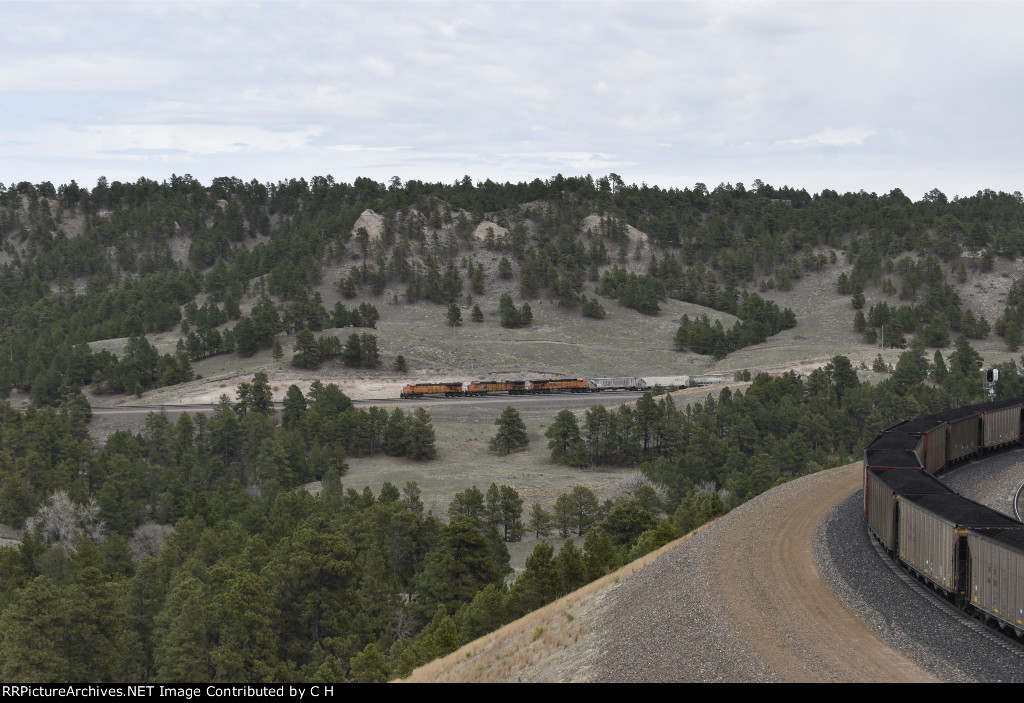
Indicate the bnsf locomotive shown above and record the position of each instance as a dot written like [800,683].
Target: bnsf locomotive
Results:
[971,554]
[540,385]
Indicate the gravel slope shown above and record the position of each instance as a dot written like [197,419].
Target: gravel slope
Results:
[743,601]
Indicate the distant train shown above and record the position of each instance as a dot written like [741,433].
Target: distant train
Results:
[531,387]
[458,389]
[971,554]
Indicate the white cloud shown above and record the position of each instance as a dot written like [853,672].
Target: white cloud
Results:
[180,140]
[86,73]
[583,161]
[446,30]
[831,137]
[378,66]
[361,148]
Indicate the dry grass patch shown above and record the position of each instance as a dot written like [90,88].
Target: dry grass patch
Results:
[555,643]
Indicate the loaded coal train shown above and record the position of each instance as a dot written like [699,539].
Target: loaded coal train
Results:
[971,554]
[530,387]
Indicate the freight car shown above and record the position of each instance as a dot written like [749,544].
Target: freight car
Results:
[1001,424]
[996,571]
[886,488]
[971,554]
[935,442]
[962,433]
[932,532]
[931,431]
[618,383]
[896,450]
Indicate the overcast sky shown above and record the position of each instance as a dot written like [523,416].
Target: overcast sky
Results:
[848,96]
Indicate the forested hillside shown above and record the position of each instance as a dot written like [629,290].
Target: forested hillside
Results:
[232,265]
[188,551]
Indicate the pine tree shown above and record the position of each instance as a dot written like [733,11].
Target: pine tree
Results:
[307,351]
[261,398]
[369,355]
[939,370]
[564,437]
[394,434]
[455,571]
[593,308]
[562,516]
[477,280]
[650,540]
[352,354]
[572,569]
[370,666]
[538,584]
[182,650]
[508,311]
[420,437]
[511,432]
[34,627]
[585,509]
[400,364]
[487,612]
[859,323]
[469,504]
[511,513]
[294,406]
[454,315]
[540,521]
[626,522]
[601,557]
[504,511]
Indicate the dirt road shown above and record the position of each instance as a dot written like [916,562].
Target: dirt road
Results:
[744,601]
[778,598]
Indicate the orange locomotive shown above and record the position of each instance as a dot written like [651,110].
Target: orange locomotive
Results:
[478,388]
[418,390]
[485,387]
[560,385]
